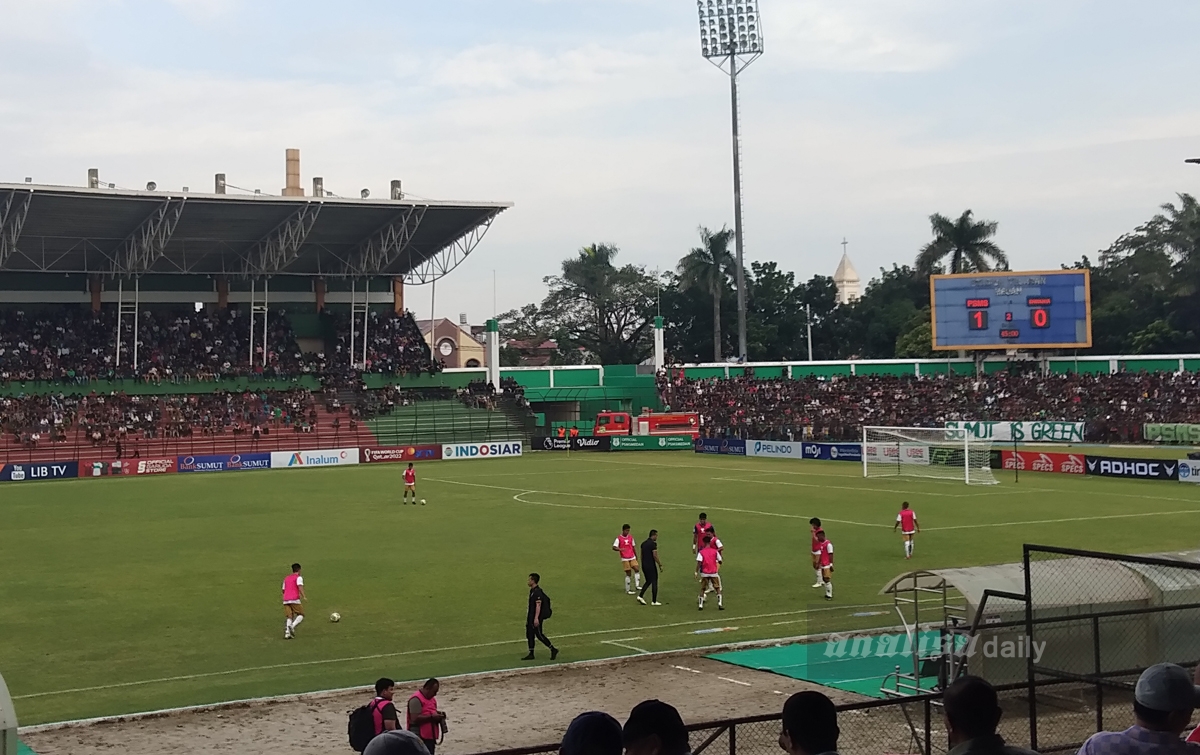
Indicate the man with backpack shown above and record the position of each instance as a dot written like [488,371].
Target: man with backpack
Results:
[535,620]
[375,717]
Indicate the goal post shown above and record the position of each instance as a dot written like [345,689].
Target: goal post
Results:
[930,452]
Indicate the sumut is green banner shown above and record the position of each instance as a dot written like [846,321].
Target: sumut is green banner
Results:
[1021,432]
[1172,433]
[652,442]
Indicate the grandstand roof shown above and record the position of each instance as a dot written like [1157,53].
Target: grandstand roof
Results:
[57,229]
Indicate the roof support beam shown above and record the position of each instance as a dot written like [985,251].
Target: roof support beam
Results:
[282,245]
[142,248]
[13,210]
[450,256]
[377,253]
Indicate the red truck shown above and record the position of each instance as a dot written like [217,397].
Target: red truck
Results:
[648,423]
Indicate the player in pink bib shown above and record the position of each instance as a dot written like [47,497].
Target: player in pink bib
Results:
[906,522]
[825,558]
[627,548]
[293,597]
[410,483]
[708,566]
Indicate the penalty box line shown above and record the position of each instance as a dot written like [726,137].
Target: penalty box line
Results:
[422,651]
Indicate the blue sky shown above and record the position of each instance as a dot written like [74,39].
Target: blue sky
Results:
[1065,121]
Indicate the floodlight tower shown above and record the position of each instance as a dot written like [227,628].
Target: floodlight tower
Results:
[730,38]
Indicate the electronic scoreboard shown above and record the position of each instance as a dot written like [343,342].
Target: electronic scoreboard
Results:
[1039,310]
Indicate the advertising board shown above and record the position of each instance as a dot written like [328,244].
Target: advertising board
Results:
[1034,461]
[120,467]
[462,451]
[723,446]
[832,451]
[399,453]
[326,457]
[896,453]
[224,463]
[579,443]
[47,470]
[1189,470]
[774,449]
[652,443]
[1137,469]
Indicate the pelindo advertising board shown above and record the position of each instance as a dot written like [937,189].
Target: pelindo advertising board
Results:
[774,449]
[463,451]
[334,457]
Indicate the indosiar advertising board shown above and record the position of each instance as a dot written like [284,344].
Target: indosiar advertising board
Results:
[463,451]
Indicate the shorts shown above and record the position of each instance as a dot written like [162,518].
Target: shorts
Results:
[292,610]
[410,486]
[909,534]
[826,571]
[716,577]
[629,563]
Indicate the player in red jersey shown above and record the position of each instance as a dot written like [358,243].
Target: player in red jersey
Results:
[708,566]
[825,551]
[627,547]
[815,523]
[410,483]
[906,522]
[701,529]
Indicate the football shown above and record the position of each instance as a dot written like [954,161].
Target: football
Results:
[335,617]
[422,501]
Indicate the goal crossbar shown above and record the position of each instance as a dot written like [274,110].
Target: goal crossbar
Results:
[931,452]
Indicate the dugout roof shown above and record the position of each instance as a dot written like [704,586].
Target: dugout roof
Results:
[120,233]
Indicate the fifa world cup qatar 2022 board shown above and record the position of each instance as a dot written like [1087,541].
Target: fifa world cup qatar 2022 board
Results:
[1038,310]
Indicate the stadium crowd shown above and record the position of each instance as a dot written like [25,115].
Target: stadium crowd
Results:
[1114,405]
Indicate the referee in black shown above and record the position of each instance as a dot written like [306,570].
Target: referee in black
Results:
[535,620]
[651,566]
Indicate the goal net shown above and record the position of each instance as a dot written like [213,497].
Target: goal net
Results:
[926,452]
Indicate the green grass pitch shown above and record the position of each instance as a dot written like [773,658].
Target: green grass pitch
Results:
[121,595]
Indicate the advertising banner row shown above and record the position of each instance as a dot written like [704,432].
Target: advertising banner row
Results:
[776,449]
[615,443]
[61,470]
[1101,466]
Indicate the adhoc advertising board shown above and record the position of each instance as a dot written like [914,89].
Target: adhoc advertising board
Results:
[896,453]
[652,443]
[326,457]
[1033,461]
[578,443]
[723,446]
[400,453]
[1189,470]
[48,470]
[128,467]
[461,451]
[1030,432]
[1172,433]
[1138,469]
[224,463]
[774,449]
[832,451]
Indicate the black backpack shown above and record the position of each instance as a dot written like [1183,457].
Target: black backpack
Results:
[547,611]
[361,727]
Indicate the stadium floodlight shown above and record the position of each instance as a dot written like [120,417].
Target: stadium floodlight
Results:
[731,39]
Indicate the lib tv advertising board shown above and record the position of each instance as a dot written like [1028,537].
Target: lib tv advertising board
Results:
[1049,309]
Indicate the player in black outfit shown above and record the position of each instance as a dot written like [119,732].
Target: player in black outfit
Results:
[535,620]
[651,566]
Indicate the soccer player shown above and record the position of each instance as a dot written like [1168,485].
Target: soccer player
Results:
[815,523]
[627,547]
[652,566]
[410,484]
[825,551]
[701,529]
[293,595]
[708,566]
[907,523]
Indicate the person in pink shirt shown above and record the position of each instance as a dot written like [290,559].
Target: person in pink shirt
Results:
[293,597]
[708,566]
[626,546]
[825,558]
[906,522]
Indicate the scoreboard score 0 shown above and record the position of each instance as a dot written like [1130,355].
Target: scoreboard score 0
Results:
[1038,310]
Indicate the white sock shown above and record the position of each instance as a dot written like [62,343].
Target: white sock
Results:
[637,580]
[817,572]
[720,599]
[626,583]
[829,589]
[287,625]
[908,545]
[702,601]
[296,621]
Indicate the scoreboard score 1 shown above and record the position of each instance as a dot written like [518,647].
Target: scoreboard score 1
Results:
[1038,310]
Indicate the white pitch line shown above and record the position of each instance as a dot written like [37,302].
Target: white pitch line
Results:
[401,653]
[685,668]
[623,644]
[735,681]
[1138,515]
[980,494]
[519,499]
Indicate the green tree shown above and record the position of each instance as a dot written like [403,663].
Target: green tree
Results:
[966,241]
[707,268]
[601,308]
[917,341]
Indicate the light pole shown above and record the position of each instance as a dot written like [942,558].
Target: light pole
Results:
[731,39]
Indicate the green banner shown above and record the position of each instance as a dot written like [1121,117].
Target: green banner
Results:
[1172,433]
[652,443]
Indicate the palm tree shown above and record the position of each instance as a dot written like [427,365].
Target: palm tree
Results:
[965,241]
[707,268]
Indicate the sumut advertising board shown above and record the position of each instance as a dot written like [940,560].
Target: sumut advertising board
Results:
[774,449]
[224,463]
[462,451]
[832,451]
[1138,469]
[896,453]
[1034,461]
[47,470]
[723,446]
[329,457]
[400,453]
